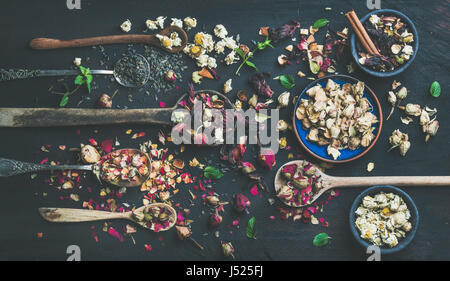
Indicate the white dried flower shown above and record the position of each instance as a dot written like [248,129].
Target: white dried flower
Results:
[220,31]
[231,58]
[177,22]
[190,22]
[126,26]
[77,61]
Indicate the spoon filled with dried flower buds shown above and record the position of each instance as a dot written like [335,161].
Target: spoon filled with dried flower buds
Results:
[157,40]
[155,216]
[299,183]
[130,71]
[124,167]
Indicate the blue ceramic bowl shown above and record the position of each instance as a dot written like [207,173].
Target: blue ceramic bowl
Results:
[411,29]
[320,152]
[403,242]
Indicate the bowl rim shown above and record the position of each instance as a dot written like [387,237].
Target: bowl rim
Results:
[353,80]
[411,206]
[398,70]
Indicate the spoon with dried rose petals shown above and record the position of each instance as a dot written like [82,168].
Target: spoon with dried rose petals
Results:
[155,216]
[299,183]
[125,167]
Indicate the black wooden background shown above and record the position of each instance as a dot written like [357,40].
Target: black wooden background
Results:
[20,21]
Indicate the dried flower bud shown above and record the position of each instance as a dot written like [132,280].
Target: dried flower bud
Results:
[213,200]
[215,220]
[392,98]
[402,93]
[283,100]
[267,159]
[424,118]
[431,129]
[183,232]
[247,168]
[245,49]
[228,249]
[289,171]
[241,203]
[89,154]
[105,101]
[242,95]
[170,76]
[404,147]
[282,60]
[413,109]
[395,138]
[285,193]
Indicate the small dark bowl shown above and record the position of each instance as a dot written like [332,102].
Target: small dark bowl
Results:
[403,242]
[411,29]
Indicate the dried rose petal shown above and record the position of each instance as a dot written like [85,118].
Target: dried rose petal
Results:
[247,168]
[183,232]
[241,203]
[105,101]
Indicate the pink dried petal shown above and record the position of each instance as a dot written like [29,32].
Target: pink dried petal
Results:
[114,233]
[254,190]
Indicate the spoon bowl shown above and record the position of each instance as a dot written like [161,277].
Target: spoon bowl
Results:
[9,167]
[141,75]
[83,215]
[330,182]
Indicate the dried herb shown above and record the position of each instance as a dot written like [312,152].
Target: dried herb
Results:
[287,81]
[250,230]
[320,23]
[212,173]
[321,239]
[435,89]
[245,57]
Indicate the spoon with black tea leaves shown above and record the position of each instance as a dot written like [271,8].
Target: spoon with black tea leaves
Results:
[329,182]
[138,215]
[130,71]
[101,169]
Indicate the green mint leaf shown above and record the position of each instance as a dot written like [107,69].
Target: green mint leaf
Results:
[321,239]
[79,80]
[239,52]
[249,63]
[270,45]
[64,101]
[287,81]
[435,89]
[261,46]
[320,23]
[250,230]
[212,173]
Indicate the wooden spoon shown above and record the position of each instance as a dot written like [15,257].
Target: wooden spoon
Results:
[49,117]
[329,182]
[82,215]
[48,43]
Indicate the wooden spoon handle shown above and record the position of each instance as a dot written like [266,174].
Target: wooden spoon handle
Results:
[398,181]
[79,215]
[49,117]
[49,43]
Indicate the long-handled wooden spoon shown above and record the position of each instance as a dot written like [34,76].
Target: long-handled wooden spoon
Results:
[49,117]
[81,215]
[329,182]
[48,43]
[9,167]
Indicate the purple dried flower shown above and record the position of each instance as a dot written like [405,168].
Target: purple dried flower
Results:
[258,82]
[284,31]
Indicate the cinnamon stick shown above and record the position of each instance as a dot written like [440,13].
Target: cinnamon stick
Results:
[362,33]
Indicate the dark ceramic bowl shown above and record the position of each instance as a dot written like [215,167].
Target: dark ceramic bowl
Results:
[403,242]
[411,29]
[320,151]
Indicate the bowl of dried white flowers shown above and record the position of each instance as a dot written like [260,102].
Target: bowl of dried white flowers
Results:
[337,118]
[384,216]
